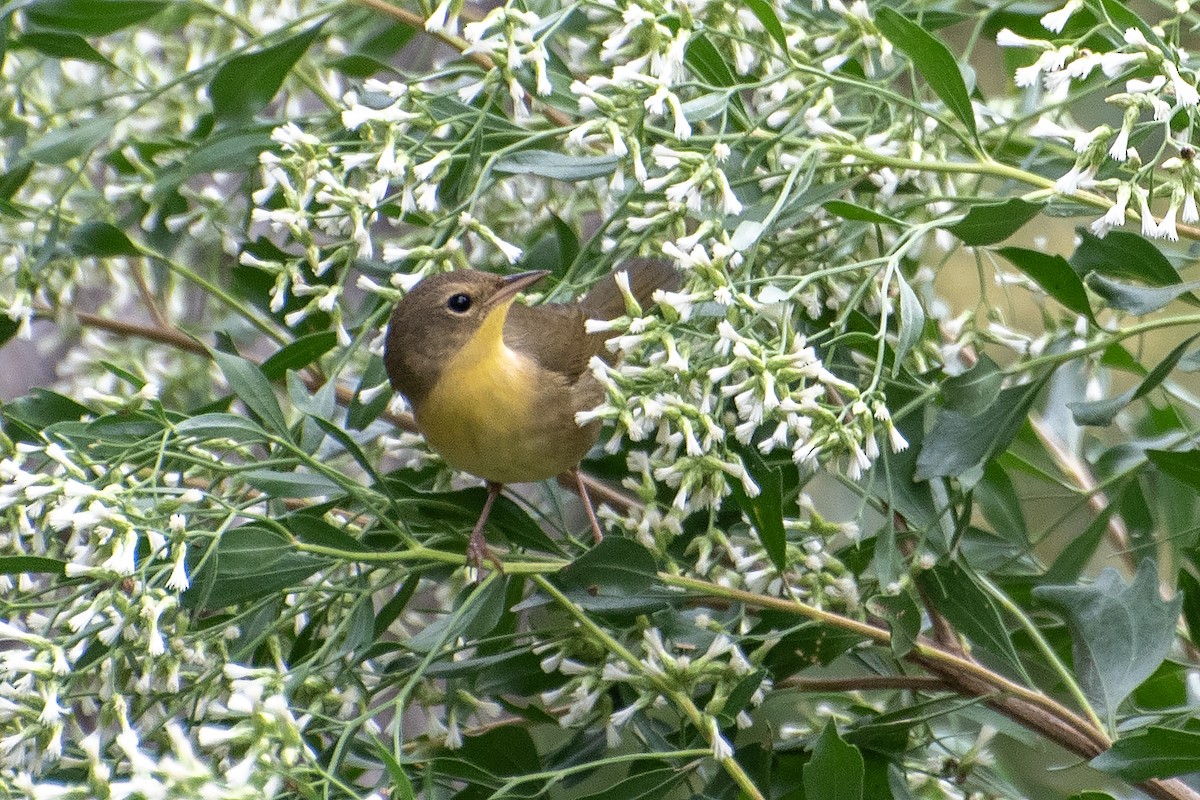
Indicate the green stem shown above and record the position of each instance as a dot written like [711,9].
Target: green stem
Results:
[682,700]
[424,554]
[1047,651]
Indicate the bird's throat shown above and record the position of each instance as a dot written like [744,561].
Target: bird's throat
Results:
[480,411]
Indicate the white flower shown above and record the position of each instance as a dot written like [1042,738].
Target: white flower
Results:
[1075,179]
[1006,38]
[1185,92]
[1149,226]
[1055,21]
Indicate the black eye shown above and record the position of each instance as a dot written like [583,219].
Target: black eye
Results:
[458,303]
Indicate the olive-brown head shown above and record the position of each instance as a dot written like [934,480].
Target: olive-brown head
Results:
[438,318]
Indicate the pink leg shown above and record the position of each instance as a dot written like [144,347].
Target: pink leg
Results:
[597,534]
[477,548]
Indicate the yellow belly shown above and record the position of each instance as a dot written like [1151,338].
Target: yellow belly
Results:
[483,418]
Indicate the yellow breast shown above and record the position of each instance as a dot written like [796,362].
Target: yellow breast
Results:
[482,415]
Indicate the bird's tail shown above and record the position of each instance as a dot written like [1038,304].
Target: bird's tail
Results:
[605,300]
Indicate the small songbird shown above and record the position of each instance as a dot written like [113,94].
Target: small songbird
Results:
[495,386]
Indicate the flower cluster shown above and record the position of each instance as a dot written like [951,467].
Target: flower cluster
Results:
[1161,96]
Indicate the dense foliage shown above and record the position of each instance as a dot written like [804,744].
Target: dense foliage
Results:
[899,486]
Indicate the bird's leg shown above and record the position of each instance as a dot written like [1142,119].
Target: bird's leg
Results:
[597,534]
[477,548]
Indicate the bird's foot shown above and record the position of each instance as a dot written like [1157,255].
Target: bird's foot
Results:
[477,547]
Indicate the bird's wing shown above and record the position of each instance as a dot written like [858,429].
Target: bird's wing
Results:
[553,335]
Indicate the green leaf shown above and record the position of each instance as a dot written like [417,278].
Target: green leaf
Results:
[959,442]
[298,354]
[649,785]
[204,427]
[971,392]
[246,84]
[835,771]
[1121,19]
[92,17]
[932,59]
[1079,551]
[904,620]
[770,21]
[101,240]
[994,222]
[953,591]
[1189,587]
[704,59]
[292,484]
[1119,634]
[912,322]
[614,568]
[359,415]
[1054,275]
[1102,412]
[248,382]
[250,562]
[1122,254]
[1001,505]
[61,45]
[62,144]
[559,166]
[17,565]
[1157,753]
[1137,299]
[859,213]
[475,614]
[485,759]
[765,511]
[1183,466]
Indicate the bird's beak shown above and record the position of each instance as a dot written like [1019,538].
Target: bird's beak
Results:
[513,284]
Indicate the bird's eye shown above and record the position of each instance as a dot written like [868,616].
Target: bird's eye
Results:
[458,303]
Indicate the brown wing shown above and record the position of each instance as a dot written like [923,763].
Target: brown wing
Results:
[554,336]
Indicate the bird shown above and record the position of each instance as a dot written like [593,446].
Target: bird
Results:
[495,385]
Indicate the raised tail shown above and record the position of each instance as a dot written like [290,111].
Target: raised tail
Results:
[605,300]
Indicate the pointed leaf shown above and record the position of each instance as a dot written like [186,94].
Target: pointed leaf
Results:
[1122,255]
[246,84]
[1137,299]
[1157,753]
[912,321]
[770,21]
[994,222]
[1119,633]
[959,442]
[248,382]
[835,771]
[62,144]
[765,511]
[933,60]
[92,17]
[1102,412]
[1183,466]
[859,213]
[953,592]
[559,166]
[1054,275]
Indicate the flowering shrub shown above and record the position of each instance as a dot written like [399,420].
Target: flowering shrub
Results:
[229,568]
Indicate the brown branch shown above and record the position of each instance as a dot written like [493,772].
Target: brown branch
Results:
[865,683]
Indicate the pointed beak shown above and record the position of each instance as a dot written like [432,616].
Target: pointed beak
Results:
[514,284]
